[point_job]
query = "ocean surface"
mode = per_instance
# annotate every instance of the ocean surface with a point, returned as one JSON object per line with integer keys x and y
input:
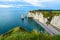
{"x": 11, "y": 17}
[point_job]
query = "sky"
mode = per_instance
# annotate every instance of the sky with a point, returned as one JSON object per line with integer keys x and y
{"x": 42, "y": 4}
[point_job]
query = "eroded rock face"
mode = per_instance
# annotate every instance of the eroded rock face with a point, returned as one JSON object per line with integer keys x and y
{"x": 42, "y": 19}
{"x": 30, "y": 14}
{"x": 37, "y": 16}
{"x": 56, "y": 21}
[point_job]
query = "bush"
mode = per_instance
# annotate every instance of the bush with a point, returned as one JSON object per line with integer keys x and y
{"x": 15, "y": 34}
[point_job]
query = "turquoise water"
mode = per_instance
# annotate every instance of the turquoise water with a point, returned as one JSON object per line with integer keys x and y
{"x": 10, "y": 18}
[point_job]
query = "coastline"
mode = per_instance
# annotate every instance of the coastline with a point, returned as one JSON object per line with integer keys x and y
{"x": 45, "y": 19}
{"x": 48, "y": 28}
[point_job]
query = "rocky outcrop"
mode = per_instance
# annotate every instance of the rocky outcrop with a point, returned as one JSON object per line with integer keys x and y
{"x": 30, "y": 14}
{"x": 56, "y": 21}
{"x": 37, "y": 16}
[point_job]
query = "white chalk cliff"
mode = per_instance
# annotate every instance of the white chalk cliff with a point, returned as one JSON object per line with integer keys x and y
{"x": 56, "y": 21}
{"x": 39, "y": 16}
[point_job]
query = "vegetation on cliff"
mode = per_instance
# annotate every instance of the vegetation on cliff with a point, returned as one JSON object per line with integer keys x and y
{"x": 49, "y": 14}
{"x": 19, "y": 33}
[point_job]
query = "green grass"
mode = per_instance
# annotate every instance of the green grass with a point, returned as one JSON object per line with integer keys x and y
{"x": 21, "y": 34}
{"x": 49, "y": 14}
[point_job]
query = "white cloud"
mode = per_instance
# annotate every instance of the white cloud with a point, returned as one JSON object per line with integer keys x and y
{"x": 5, "y": 6}
{"x": 11, "y": 0}
{"x": 40, "y": 3}
{"x": 50, "y": 1}
{"x": 37, "y": 2}
{"x": 46, "y": 0}
{"x": 10, "y": 6}
{"x": 33, "y": 2}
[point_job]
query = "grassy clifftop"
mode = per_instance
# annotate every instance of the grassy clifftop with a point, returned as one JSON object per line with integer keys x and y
{"x": 47, "y": 13}
{"x": 19, "y": 33}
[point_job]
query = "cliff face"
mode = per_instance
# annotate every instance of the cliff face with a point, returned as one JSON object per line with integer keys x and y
{"x": 37, "y": 16}
{"x": 56, "y": 21}
{"x": 30, "y": 14}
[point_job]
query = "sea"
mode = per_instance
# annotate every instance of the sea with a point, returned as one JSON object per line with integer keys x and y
{"x": 11, "y": 18}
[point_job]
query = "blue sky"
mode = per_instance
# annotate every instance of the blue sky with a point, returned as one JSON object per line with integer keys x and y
{"x": 42, "y": 4}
